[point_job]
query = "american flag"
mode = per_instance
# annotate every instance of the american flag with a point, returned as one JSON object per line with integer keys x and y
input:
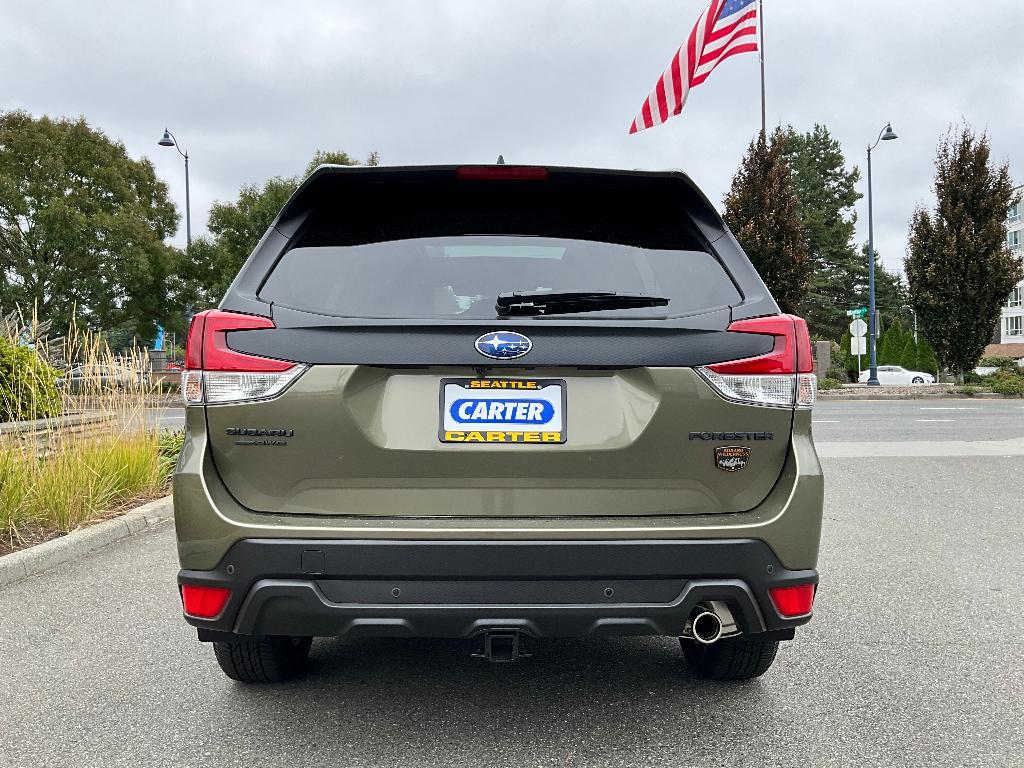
{"x": 726, "y": 27}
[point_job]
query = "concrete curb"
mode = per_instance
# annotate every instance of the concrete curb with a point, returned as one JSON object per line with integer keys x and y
{"x": 27, "y": 562}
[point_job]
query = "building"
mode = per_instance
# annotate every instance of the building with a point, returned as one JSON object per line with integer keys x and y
{"x": 1011, "y": 321}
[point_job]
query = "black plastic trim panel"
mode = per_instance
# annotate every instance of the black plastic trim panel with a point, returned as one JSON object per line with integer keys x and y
{"x": 571, "y": 346}
{"x": 457, "y": 589}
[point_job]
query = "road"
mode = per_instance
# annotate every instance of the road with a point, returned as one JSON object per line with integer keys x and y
{"x": 914, "y": 657}
{"x": 917, "y": 420}
{"x": 168, "y": 418}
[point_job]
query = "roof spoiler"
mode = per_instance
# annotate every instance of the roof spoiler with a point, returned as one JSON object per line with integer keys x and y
{"x": 326, "y": 179}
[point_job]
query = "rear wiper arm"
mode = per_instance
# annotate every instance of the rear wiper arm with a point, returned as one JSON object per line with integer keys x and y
{"x": 563, "y": 302}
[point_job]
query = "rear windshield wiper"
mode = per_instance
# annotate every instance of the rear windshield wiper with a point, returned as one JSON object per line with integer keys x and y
{"x": 563, "y": 302}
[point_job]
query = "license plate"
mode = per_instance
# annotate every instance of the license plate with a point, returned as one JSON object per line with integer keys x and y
{"x": 530, "y": 411}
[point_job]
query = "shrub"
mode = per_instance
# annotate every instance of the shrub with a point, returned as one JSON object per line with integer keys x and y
{"x": 840, "y": 356}
{"x": 28, "y": 388}
{"x": 169, "y": 446}
{"x": 829, "y": 383}
{"x": 999, "y": 362}
{"x": 840, "y": 374}
{"x": 1005, "y": 382}
{"x": 966, "y": 391}
{"x": 926, "y": 360}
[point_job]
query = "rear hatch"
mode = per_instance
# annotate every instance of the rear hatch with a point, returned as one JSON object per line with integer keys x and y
{"x": 497, "y": 341}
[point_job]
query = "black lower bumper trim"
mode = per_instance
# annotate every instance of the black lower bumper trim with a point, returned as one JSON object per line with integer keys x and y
{"x": 459, "y": 589}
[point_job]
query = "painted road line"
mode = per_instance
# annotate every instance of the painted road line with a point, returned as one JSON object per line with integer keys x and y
{"x": 833, "y": 450}
{"x": 932, "y": 421}
{"x": 825, "y": 421}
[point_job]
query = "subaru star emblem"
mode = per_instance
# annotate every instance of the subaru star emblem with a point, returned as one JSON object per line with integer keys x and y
{"x": 503, "y": 345}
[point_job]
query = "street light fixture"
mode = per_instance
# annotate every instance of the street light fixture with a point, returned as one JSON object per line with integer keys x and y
{"x": 168, "y": 140}
{"x": 886, "y": 134}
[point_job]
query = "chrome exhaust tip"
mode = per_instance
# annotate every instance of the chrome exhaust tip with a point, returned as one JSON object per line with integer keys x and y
{"x": 706, "y": 627}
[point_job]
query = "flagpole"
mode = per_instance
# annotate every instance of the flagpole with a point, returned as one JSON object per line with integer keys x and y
{"x": 760, "y": 51}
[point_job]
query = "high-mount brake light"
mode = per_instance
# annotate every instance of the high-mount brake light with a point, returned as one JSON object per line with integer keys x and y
{"x": 507, "y": 172}
{"x": 216, "y": 373}
{"x": 782, "y": 377}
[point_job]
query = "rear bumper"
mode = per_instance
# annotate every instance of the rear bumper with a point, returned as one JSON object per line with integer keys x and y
{"x": 329, "y": 588}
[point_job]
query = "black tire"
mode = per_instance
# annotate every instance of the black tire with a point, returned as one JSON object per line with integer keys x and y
{"x": 268, "y": 660}
{"x": 740, "y": 659}
{"x": 917, "y": 380}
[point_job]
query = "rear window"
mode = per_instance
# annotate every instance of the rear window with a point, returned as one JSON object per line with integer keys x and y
{"x": 460, "y": 276}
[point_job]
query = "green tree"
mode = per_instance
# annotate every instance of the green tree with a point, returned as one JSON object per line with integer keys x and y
{"x": 958, "y": 264}
{"x": 908, "y": 358}
{"x": 235, "y": 229}
{"x": 82, "y": 227}
{"x": 826, "y": 194}
{"x": 926, "y": 359}
{"x": 761, "y": 210}
{"x": 890, "y": 345}
{"x": 890, "y": 290}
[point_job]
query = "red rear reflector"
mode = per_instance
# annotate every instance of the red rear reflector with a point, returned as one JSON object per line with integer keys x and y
{"x": 791, "y": 353}
{"x": 512, "y": 172}
{"x": 793, "y": 601}
{"x": 207, "y": 347}
{"x": 204, "y": 602}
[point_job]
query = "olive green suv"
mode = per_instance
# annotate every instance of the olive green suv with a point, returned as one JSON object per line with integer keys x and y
{"x": 502, "y": 403}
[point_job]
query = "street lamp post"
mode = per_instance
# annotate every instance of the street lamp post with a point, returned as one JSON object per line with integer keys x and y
{"x": 886, "y": 134}
{"x": 914, "y": 313}
{"x": 168, "y": 140}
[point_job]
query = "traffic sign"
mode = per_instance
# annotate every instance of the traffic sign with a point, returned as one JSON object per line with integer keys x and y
{"x": 858, "y": 345}
{"x": 858, "y": 328}
{"x": 858, "y": 312}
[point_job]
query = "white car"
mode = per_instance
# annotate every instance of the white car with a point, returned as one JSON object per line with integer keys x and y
{"x": 894, "y": 374}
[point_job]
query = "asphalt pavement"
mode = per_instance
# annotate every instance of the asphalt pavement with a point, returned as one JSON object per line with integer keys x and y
{"x": 914, "y": 656}
{"x": 926, "y": 419}
{"x": 167, "y": 418}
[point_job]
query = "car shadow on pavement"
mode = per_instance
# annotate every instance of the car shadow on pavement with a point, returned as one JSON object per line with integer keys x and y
{"x": 622, "y": 692}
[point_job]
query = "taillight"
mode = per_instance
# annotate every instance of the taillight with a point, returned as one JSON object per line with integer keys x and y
{"x": 204, "y": 602}
{"x": 794, "y": 601}
{"x": 781, "y": 377}
{"x": 215, "y": 373}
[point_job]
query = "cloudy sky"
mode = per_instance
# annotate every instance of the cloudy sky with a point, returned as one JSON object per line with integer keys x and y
{"x": 252, "y": 89}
